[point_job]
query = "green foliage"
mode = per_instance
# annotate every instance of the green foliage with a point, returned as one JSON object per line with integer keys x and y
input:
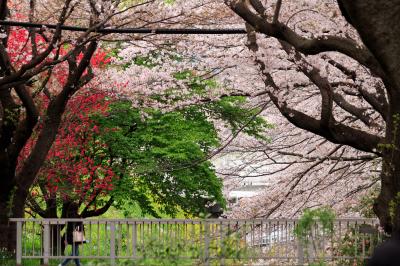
{"x": 391, "y": 147}
{"x": 386, "y": 147}
{"x": 307, "y": 232}
{"x": 322, "y": 216}
{"x": 162, "y": 159}
{"x": 233, "y": 110}
{"x": 170, "y": 2}
{"x": 175, "y": 253}
{"x": 393, "y": 206}
{"x": 198, "y": 85}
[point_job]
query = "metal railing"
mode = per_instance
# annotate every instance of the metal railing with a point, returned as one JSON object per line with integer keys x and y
{"x": 254, "y": 241}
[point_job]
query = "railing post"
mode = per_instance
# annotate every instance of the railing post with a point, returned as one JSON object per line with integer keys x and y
{"x": 19, "y": 244}
{"x": 134, "y": 237}
{"x": 300, "y": 253}
{"x": 222, "y": 236}
{"x": 112, "y": 243}
{"x": 46, "y": 242}
{"x": 206, "y": 243}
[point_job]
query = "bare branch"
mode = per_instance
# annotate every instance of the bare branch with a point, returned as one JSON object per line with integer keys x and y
{"x": 277, "y": 10}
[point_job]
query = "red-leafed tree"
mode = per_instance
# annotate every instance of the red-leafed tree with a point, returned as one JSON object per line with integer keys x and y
{"x": 77, "y": 174}
{"x": 77, "y": 168}
{"x": 40, "y": 70}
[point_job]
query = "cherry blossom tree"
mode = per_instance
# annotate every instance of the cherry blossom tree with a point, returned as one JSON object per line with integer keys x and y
{"x": 296, "y": 170}
{"x": 226, "y": 60}
{"x": 349, "y": 66}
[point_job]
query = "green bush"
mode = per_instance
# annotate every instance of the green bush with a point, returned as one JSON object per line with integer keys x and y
{"x": 313, "y": 226}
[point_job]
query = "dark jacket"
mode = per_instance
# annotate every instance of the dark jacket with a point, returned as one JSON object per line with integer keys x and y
{"x": 388, "y": 253}
{"x": 71, "y": 226}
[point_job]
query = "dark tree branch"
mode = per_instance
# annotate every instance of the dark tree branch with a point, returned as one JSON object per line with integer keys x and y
{"x": 322, "y": 84}
{"x": 3, "y": 9}
{"x": 91, "y": 202}
{"x": 305, "y": 45}
{"x": 277, "y": 10}
{"x": 43, "y": 86}
{"x": 25, "y": 127}
{"x": 32, "y": 32}
{"x": 377, "y": 25}
{"x": 348, "y": 72}
{"x": 32, "y": 204}
{"x": 336, "y": 133}
{"x": 97, "y": 212}
{"x": 36, "y": 61}
{"x": 1, "y": 116}
{"x": 258, "y": 6}
{"x": 338, "y": 158}
{"x": 52, "y": 120}
{"x": 10, "y": 114}
{"x": 378, "y": 102}
{"x": 359, "y": 113}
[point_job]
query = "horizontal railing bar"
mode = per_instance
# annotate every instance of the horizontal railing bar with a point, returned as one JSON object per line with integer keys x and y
{"x": 66, "y": 257}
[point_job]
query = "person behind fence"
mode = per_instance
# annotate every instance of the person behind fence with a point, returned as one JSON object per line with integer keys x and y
{"x": 74, "y": 237}
{"x": 388, "y": 253}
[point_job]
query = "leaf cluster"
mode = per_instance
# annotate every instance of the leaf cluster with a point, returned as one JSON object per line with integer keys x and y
{"x": 161, "y": 159}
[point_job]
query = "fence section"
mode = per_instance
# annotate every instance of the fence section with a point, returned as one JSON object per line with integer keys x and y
{"x": 254, "y": 241}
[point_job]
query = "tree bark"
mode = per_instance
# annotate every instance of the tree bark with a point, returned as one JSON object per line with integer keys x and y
{"x": 11, "y": 205}
{"x": 377, "y": 24}
{"x": 387, "y": 205}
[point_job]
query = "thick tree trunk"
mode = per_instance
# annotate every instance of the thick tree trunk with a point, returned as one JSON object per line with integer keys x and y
{"x": 11, "y": 205}
{"x": 7, "y": 230}
{"x": 383, "y": 206}
{"x": 387, "y": 205}
{"x": 377, "y": 24}
{"x": 7, "y": 195}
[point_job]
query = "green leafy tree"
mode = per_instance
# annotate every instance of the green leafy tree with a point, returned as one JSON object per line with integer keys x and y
{"x": 161, "y": 159}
